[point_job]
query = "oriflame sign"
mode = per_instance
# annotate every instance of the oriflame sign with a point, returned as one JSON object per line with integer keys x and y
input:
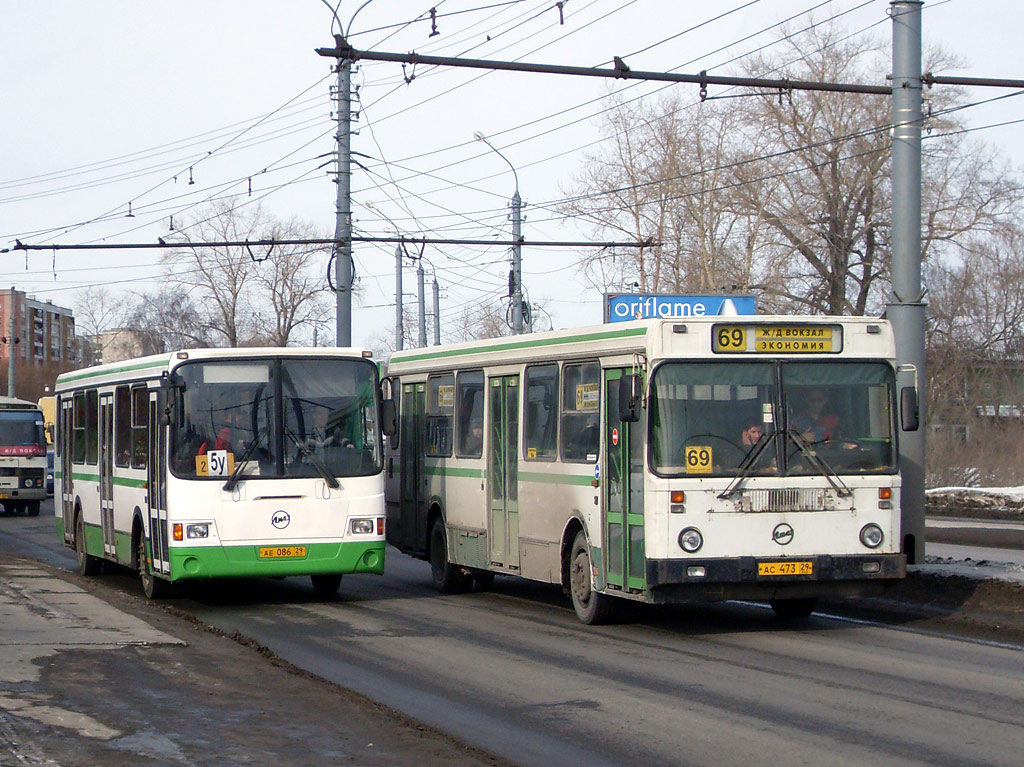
{"x": 622, "y": 307}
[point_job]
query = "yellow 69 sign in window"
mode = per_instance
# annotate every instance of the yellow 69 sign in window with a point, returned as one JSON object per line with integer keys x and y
{"x": 699, "y": 459}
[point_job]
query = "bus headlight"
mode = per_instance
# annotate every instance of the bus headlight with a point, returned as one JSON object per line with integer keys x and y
{"x": 361, "y": 526}
{"x": 201, "y": 530}
{"x": 690, "y": 540}
{"x": 871, "y": 535}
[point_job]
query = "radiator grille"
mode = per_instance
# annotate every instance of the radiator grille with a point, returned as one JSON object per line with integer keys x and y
{"x": 789, "y": 499}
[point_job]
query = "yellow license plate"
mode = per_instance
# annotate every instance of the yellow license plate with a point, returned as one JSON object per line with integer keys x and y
{"x": 4, "y": 495}
{"x": 785, "y": 568}
{"x": 282, "y": 552}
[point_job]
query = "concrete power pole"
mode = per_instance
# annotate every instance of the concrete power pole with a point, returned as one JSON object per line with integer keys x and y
{"x": 517, "y": 263}
{"x": 399, "y": 332}
{"x": 423, "y": 304}
{"x": 906, "y": 308}
{"x": 343, "y": 208}
{"x": 437, "y": 313}
{"x": 11, "y": 346}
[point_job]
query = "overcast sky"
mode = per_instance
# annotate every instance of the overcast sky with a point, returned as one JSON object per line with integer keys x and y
{"x": 110, "y": 103}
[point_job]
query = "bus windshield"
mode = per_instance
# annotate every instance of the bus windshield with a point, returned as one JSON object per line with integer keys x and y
{"x": 772, "y": 418}
{"x": 275, "y": 418}
{"x": 21, "y": 433}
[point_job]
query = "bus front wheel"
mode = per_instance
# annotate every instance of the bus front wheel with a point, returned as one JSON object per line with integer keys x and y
{"x": 152, "y": 587}
{"x": 32, "y": 508}
{"x": 448, "y": 578}
{"x": 592, "y": 607}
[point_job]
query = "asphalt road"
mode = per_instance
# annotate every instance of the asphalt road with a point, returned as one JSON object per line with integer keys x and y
{"x": 514, "y": 673}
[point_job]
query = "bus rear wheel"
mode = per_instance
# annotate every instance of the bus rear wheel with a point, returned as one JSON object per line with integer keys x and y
{"x": 326, "y": 586}
{"x": 87, "y": 564}
{"x": 32, "y": 508}
{"x": 152, "y": 587}
{"x": 793, "y": 609}
{"x": 592, "y": 607}
{"x": 448, "y": 578}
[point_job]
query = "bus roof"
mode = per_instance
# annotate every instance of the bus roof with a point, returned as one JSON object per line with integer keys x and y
{"x": 154, "y": 366}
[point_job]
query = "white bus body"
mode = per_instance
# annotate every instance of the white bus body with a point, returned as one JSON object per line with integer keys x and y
{"x": 22, "y": 456}
{"x": 219, "y": 463}
{"x": 513, "y": 457}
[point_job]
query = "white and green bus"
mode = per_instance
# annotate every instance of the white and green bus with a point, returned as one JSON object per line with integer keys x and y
{"x": 22, "y": 456}
{"x": 214, "y": 463}
{"x": 656, "y": 460}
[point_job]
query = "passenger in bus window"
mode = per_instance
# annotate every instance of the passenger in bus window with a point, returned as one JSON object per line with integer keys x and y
{"x": 752, "y": 431}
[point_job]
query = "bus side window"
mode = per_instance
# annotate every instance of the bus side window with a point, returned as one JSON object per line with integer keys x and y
{"x": 440, "y": 414}
{"x": 540, "y": 432}
{"x": 140, "y": 432}
{"x": 581, "y": 415}
{"x": 122, "y": 425}
{"x": 470, "y": 414}
{"x": 78, "y": 445}
{"x": 92, "y": 426}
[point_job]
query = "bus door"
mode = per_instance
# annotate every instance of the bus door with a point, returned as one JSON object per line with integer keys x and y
{"x": 106, "y": 461}
{"x": 623, "y": 492}
{"x": 503, "y": 471}
{"x": 412, "y": 513}
{"x": 67, "y": 483}
{"x": 156, "y": 488}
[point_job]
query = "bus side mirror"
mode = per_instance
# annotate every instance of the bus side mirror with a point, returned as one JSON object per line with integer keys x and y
{"x": 629, "y": 399}
{"x": 388, "y": 417}
{"x": 909, "y": 416}
{"x": 163, "y": 407}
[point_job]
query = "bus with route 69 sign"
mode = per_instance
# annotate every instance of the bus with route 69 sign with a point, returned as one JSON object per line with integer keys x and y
{"x": 660, "y": 460}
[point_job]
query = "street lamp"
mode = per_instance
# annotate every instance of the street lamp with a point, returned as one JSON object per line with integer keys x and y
{"x": 517, "y": 238}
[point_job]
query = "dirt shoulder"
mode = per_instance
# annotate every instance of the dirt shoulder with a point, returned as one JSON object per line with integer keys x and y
{"x": 201, "y": 698}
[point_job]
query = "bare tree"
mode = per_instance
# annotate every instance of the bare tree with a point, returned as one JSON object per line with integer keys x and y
{"x": 242, "y": 295}
{"x": 98, "y": 309}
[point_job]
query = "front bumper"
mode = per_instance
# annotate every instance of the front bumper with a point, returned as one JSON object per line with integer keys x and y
{"x": 738, "y": 578}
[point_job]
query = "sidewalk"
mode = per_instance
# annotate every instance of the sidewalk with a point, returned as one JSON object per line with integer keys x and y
{"x": 91, "y": 675}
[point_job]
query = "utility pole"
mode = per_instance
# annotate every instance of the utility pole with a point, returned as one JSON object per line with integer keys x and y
{"x": 11, "y": 345}
{"x": 517, "y": 263}
{"x": 437, "y": 313}
{"x": 343, "y": 207}
{"x": 906, "y": 308}
{"x": 423, "y": 304}
{"x": 399, "y": 332}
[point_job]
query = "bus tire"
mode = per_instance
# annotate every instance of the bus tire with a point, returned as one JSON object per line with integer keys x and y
{"x": 152, "y": 586}
{"x": 32, "y": 507}
{"x": 793, "y": 609}
{"x": 592, "y": 607}
{"x": 326, "y": 586}
{"x": 87, "y": 564}
{"x": 448, "y": 578}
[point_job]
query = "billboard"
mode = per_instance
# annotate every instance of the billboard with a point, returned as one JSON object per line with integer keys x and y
{"x": 622, "y": 307}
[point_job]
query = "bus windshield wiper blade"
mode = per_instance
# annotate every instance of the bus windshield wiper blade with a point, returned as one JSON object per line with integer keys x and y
{"x": 819, "y": 463}
{"x": 330, "y": 479}
{"x": 746, "y": 465}
{"x": 243, "y": 459}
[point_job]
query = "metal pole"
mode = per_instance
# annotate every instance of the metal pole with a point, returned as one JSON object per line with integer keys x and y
{"x": 399, "y": 331}
{"x": 423, "y": 305}
{"x": 906, "y": 308}
{"x": 11, "y": 346}
{"x": 437, "y": 313}
{"x": 343, "y": 209}
{"x": 517, "y": 264}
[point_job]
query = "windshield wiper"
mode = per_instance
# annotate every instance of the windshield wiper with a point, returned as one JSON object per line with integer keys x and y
{"x": 746, "y": 465}
{"x": 330, "y": 479}
{"x": 819, "y": 463}
{"x": 246, "y": 455}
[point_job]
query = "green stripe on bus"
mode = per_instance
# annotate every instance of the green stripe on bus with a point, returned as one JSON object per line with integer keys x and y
{"x": 122, "y": 481}
{"x": 68, "y": 377}
{"x": 451, "y": 471}
{"x": 556, "y": 479}
{"x": 509, "y": 345}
